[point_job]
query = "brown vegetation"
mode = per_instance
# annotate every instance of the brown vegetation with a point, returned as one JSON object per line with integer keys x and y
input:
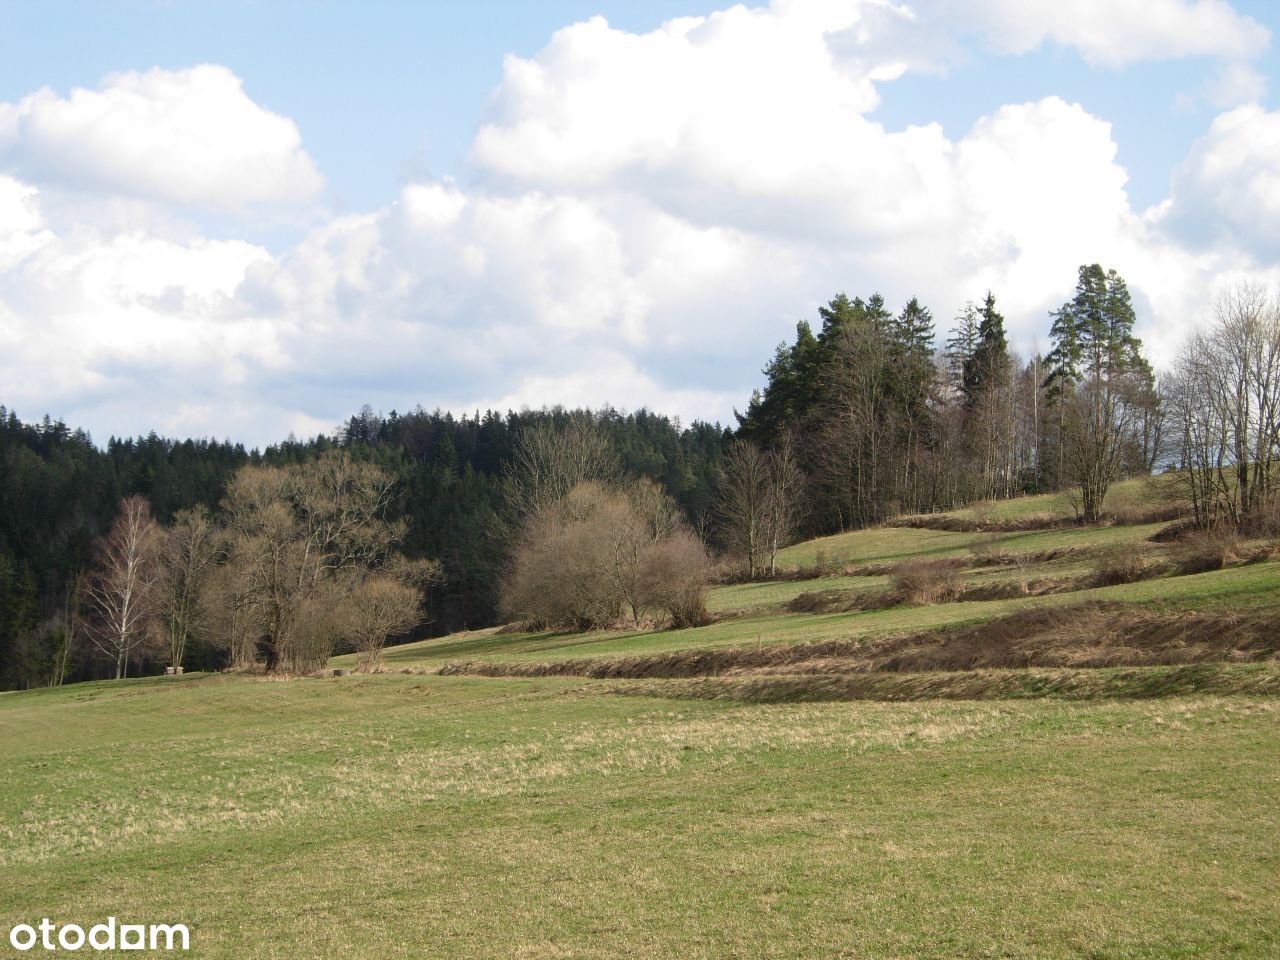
{"x": 599, "y": 553}
{"x": 1064, "y": 683}
{"x": 954, "y": 523}
{"x": 301, "y": 540}
{"x": 1224, "y": 406}
{"x": 758, "y": 507}
{"x": 1086, "y": 635}
{"x": 1200, "y": 551}
{"x": 924, "y": 583}
{"x": 1123, "y": 563}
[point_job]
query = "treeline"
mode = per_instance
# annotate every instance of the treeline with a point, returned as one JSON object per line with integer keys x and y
{"x": 60, "y": 494}
{"x": 883, "y": 419}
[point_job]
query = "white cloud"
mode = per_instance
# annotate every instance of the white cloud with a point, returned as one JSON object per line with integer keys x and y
{"x": 1111, "y": 32}
{"x": 1234, "y": 83}
{"x": 1227, "y": 191}
{"x": 89, "y": 319}
{"x": 648, "y": 216}
{"x": 187, "y": 137}
{"x": 22, "y": 227}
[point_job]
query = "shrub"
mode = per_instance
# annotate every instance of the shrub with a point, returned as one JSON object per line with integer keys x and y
{"x": 987, "y": 549}
{"x": 926, "y": 583}
{"x": 562, "y": 574}
{"x": 673, "y": 577}
{"x": 1119, "y": 564}
{"x": 1205, "y": 550}
{"x": 597, "y": 553}
{"x": 379, "y": 608}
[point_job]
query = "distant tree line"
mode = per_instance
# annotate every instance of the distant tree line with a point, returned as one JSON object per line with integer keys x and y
{"x": 60, "y": 495}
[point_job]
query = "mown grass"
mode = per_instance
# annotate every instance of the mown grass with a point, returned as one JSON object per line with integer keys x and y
{"x": 402, "y": 816}
{"x": 771, "y": 593}
{"x": 1041, "y": 813}
{"x": 1113, "y": 683}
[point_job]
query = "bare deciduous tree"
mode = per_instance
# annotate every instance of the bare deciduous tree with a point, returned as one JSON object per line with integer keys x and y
{"x": 379, "y": 608}
{"x": 120, "y": 592}
{"x": 584, "y": 561}
{"x": 186, "y": 554}
{"x": 1224, "y": 406}
{"x": 298, "y": 535}
{"x": 786, "y": 490}
{"x": 549, "y": 461}
{"x": 229, "y": 611}
{"x": 759, "y": 501}
{"x": 742, "y": 507}
{"x": 673, "y": 576}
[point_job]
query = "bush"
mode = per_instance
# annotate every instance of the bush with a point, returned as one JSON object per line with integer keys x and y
{"x": 673, "y": 578}
{"x": 988, "y": 550}
{"x": 1205, "y": 550}
{"x": 597, "y": 553}
{"x": 926, "y": 583}
{"x": 562, "y": 571}
{"x": 1119, "y": 564}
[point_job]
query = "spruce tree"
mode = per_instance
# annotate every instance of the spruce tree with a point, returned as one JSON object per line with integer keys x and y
{"x": 961, "y": 346}
{"x": 989, "y": 365}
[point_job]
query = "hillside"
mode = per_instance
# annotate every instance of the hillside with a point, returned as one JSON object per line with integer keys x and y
{"x": 842, "y": 590}
{"x": 1036, "y": 767}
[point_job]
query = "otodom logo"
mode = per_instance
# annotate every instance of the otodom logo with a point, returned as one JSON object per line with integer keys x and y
{"x": 111, "y": 935}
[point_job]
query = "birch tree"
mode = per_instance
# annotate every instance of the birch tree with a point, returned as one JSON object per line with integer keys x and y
{"x": 120, "y": 593}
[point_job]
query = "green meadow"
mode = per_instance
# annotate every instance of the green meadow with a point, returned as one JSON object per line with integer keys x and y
{"x": 1126, "y": 812}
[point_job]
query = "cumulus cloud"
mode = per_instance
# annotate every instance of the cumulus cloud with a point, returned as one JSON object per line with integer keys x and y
{"x": 190, "y": 137}
{"x": 644, "y": 218}
{"x": 91, "y": 319}
{"x": 1228, "y": 188}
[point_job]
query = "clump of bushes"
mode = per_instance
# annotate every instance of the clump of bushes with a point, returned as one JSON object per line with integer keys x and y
{"x": 1119, "y": 564}
{"x": 1204, "y": 550}
{"x": 673, "y": 577}
{"x": 987, "y": 550}
{"x": 926, "y": 583}
{"x": 602, "y": 554}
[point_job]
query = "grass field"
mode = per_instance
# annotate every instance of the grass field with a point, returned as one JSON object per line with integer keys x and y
{"x": 408, "y": 816}
{"x": 1119, "y": 812}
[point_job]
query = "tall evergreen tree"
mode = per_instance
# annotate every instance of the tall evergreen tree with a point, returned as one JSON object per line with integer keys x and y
{"x": 1096, "y": 381}
{"x": 790, "y": 390}
{"x": 961, "y": 346}
{"x": 989, "y": 364}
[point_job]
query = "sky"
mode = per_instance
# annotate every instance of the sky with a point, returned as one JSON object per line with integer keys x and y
{"x": 247, "y": 220}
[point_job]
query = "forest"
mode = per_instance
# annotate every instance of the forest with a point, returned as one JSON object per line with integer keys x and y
{"x": 200, "y": 554}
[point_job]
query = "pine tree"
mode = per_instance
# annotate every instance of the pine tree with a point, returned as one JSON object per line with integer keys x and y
{"x": 1096, "y": 377}
{"x": 790, "y": 391}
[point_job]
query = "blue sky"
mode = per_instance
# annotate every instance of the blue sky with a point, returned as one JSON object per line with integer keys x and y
{"x": 385, "y": 91}
{"x": 439, "y": 203}
{"x": 382, "y": 91}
